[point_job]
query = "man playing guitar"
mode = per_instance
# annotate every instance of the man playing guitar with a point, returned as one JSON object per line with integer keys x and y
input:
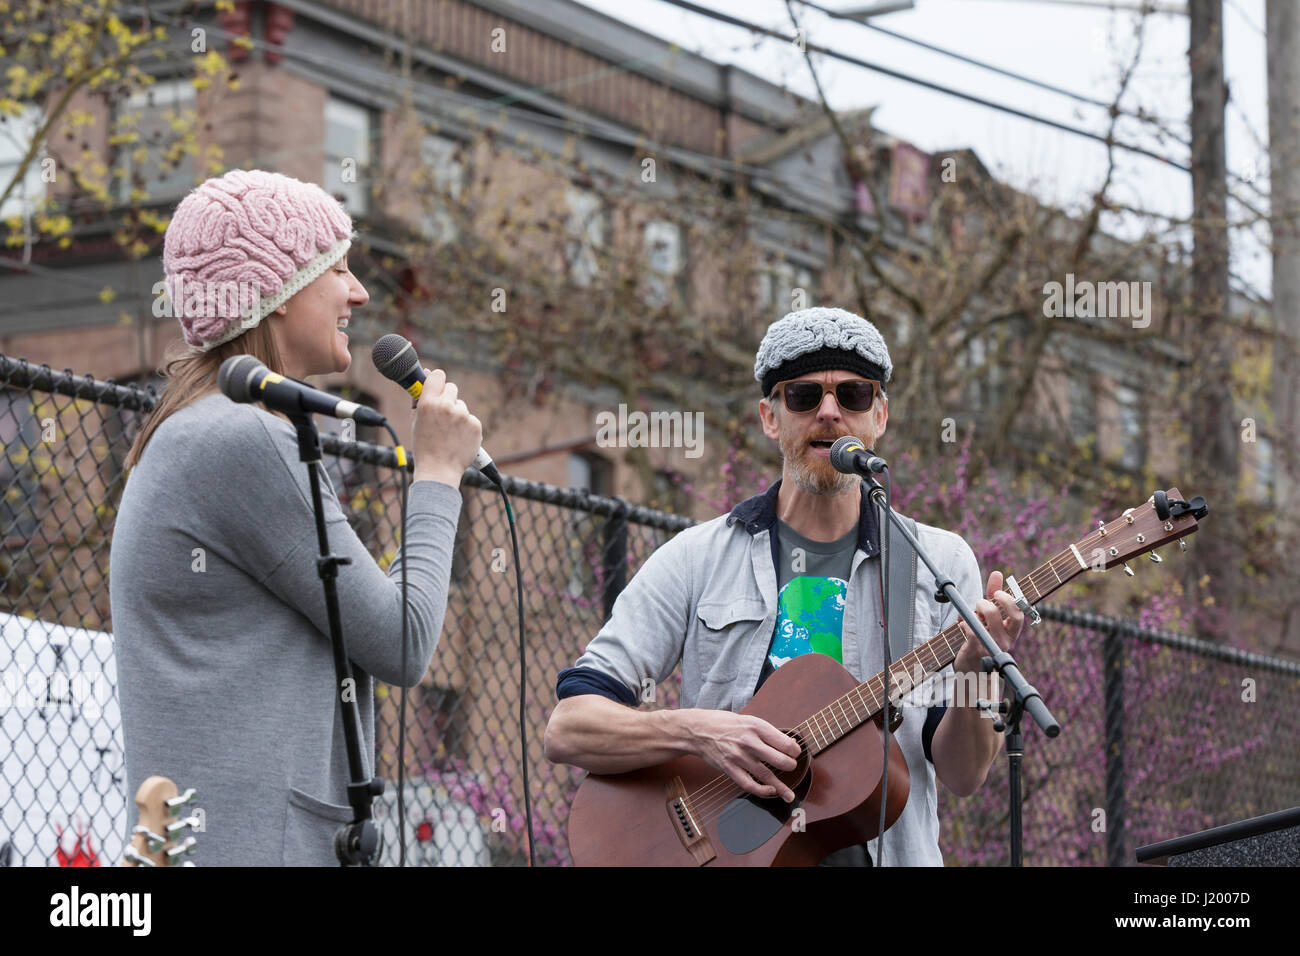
{"x": 794, "y": 570}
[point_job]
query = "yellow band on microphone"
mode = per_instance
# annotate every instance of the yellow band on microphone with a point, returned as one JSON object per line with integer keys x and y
{"x": 401, "y": 456}
{"x": 416, "y": 388}
{"x": 270, "y": 378}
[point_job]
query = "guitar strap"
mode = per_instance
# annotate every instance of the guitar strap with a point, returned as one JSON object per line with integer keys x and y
{"x": 902, "y": 589}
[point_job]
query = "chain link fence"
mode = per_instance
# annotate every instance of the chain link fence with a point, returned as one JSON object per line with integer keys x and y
{"x": 1162, "y": 735}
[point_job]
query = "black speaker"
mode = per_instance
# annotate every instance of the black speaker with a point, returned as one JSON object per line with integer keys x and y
{"x": 1270, "y": 840}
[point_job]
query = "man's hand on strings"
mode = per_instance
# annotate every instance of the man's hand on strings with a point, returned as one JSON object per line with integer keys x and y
{"x": 998, "y": 613}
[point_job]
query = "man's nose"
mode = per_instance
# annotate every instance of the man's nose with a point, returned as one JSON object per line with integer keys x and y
{"x": 830, "y": 407}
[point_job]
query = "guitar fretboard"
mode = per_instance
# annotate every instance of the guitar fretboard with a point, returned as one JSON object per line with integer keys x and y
{"x": 868, "y": 699}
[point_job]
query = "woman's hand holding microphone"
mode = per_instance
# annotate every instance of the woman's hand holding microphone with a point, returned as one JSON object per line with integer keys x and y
{"x": 445, "y": 437}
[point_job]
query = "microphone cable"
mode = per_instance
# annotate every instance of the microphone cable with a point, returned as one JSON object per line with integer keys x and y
{"x": 523, "y": 668}
{"x": 523, "y": 671}
{"x": 400, "y": 452}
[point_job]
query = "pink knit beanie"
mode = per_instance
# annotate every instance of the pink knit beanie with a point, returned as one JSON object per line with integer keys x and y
{"x": 241, "y": 245}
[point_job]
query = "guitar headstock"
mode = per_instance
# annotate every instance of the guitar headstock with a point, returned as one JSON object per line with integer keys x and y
{"x": 157, "y": 839}
{"x": 1165, "y": 517}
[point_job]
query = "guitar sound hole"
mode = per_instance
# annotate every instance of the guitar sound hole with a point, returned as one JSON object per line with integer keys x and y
{"x": 748, "y": 822}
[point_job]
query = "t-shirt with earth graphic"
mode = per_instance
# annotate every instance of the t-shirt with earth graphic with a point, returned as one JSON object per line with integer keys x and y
{"x": 811, "y": 584}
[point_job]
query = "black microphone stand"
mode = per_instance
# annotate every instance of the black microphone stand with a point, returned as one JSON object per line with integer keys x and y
{"x": 1025, "y": 697}
{"x": 356, "y": 843}
{"x": 883, "y": 500}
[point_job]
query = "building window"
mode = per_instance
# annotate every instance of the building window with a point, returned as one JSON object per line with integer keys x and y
{"x": 16, "y": 135}
{"x": 122, "y": 425}
{"x": 441, "y": 722}
{"x": 668, "y": 494}
{"x": 1264, "y": 470}
{"x": 983, "y": 379}
{"x": 21, "y": 434}
{"x": 663, "y": 259}
{"x": 591, "y": 472}
{"x": 347, "y": 154}
{"x": 586, "y": 538}
{"x": 155, "y": 162}
{"x": 1131, "y": 429}
{"x": 1083, "y": 406}
{"x": 585, "y": 235}
{"x": 777, "y": 285}
{"x": 445, "y": 176}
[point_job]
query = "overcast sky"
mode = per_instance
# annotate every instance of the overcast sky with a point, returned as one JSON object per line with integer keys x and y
{"x": 1077, "y": 48}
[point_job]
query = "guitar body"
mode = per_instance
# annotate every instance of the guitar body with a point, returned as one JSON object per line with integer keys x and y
{"x": 630, "y": 819}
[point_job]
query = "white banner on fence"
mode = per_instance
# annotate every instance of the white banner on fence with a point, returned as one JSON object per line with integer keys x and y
{"x": 62, "y": 777}
{"x": 63, "y": 780}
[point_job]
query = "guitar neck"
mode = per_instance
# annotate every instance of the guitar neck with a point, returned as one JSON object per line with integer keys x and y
{"x": 868, "y": 699}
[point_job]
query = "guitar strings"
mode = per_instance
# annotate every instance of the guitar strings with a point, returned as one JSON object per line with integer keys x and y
{"x": 714, "y": 796}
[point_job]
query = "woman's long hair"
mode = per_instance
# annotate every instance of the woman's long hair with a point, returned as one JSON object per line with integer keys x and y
{"x": 191, "y": 373}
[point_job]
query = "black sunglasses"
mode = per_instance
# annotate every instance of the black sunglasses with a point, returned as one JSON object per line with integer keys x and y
{"x": 855, "y": 396}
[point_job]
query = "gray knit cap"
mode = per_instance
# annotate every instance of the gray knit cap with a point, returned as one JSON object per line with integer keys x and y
{"x": 820, "y": 339}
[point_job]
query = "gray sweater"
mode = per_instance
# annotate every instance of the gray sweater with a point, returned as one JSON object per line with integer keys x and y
{"x": 224, "y": 664}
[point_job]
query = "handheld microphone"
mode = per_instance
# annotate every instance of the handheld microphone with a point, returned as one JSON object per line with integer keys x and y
{"x": 244, "y": 379}
{"x": 850, "y": 456}
{"x": 394, "y": 356}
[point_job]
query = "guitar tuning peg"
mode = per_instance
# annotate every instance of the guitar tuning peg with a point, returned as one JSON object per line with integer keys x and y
{"x": 1154, "y": 557}
{"x": 1127, "y": 570}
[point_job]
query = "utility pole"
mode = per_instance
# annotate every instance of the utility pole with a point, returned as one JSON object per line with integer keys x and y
{"x": 1283, "y": 37}
{"x": 1212, "y": 426}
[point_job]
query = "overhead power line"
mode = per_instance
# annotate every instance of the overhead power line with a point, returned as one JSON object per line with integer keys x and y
{"x": 1159, "y": 124}
{"x": 927, "y": 84}
{"x": 991, "y": 67}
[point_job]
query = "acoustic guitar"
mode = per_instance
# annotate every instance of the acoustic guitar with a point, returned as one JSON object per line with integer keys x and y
{"x": 157, "y": 839}
{"x": 685, "y": 813}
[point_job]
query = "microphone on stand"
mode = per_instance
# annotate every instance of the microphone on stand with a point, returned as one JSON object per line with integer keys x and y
{"x": 850, "y": 456}
{"x": 244, "y": 379}
{"x": 394, "y": 356}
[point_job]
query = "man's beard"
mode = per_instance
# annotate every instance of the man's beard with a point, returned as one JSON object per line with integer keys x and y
{"x": 812, "y": 473}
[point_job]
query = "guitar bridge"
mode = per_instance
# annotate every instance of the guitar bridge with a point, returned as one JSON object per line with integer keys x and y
{"x": 685, "y": 825}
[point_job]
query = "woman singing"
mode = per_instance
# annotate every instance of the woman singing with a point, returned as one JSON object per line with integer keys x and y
{"x": 224, "y": 663}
